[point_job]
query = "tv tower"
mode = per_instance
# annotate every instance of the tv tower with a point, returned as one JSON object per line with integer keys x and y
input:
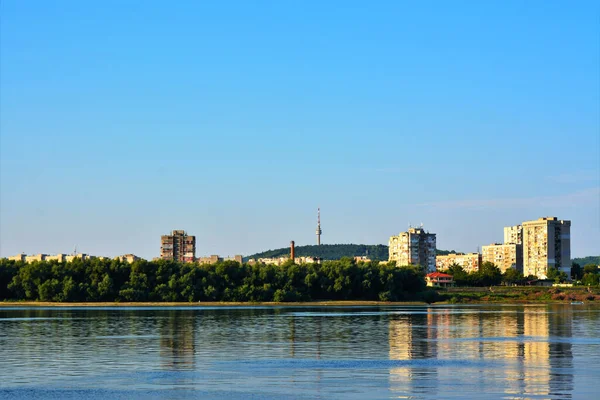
{"x": 319, "y": 231}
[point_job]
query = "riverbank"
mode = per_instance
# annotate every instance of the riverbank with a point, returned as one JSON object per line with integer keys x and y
{"x": 520, "y": 295}
{"x": 477, "y": 295}
{"x": 208, "y": 304}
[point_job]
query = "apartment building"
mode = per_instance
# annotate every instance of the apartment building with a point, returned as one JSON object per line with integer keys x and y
{"x": 215, "y": 259}
{"x": 178, "y": 246}
{"x": 35, "y": 257}
{"x": 128, "y": 257}
{"x": 18, "y": 257}
{"x": 470, "y": 262}
{"x": 57, "y": 257}
{"x": 504, "y": 256}
{"x": 513, "y": 234}
{"x": 414, "y": 247}
{"x": 546, "y": 244}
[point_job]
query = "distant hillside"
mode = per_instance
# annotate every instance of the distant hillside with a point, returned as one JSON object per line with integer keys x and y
{"x": 378, "y": 252}
{"x": 587, "y": 260}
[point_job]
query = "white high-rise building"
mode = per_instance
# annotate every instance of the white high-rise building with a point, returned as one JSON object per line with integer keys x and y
{"x": 415, "y": 247}
{"x": 546, "y": 244}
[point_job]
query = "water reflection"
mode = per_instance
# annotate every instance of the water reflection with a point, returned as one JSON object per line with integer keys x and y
{"x": 412, "y": 337}
{"x": 177, "y": 341}
{"x": 517, "y": 348}
{"x": 504, "y": 352}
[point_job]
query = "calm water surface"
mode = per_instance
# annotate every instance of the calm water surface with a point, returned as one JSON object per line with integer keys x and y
{"x": 510, "y": 352}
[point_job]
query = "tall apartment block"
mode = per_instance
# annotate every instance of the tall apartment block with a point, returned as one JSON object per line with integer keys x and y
{"x": 178, "y": 246}
{"x": 415, "y": 247}
{"x": 469, "y": 262}
{"x": 504, "y": 256}
{"x": 513, "y": 234}
{"x": 546, "y": 244}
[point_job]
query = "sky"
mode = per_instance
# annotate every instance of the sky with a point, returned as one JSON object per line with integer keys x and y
{"x": 234, "y": 120}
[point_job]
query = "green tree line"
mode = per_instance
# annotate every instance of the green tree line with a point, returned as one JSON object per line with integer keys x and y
{"x": 490, "y": 275}
{"x": 589, "y": 260}
{"x": 167, "y": 281}
{"x": 487, "y": 275}
{"x": 588, "y": 275}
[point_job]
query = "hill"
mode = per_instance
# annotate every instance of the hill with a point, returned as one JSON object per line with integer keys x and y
{"x": 582, "y": 261}
{"x": 377, "y": 252}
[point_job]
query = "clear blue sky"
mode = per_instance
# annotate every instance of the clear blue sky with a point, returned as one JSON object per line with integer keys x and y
{"x": 122, "y": 120}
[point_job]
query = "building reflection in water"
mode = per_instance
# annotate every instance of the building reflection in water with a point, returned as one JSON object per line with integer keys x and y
{"x": 413, "y": 341}
{"x": 177, "y": 341}
{"x": 561, "y": 353}
{"x": 527, "y": 349}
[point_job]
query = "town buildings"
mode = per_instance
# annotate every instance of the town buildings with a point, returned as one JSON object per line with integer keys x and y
{"x": 282, "y": 260}
{"x": 57, "y": 257}
{"x": 470, "y": 262}
{"x": 178, "y": 246}
{"x": 504, "y": 256}
{"x": 546, "y": 244}
{"x": 414, "y": 247}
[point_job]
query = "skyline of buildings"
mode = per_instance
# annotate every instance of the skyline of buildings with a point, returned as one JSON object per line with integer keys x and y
{"x": 531, "y": 248}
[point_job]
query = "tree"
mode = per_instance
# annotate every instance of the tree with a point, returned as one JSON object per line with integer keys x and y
{"x": 576, "y": 271}
{"x": 511, "y": 277}
{"x": 554, "y": 274}
{"x": 590, "y": 279}
{"x": 459, "y": 275}
{"x": 105, "y": 288}
{"x": 590, "y": 269}
{"x": 489, "y": 274}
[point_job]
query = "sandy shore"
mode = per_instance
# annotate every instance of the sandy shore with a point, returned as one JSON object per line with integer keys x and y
{"x": 203, "y": 304}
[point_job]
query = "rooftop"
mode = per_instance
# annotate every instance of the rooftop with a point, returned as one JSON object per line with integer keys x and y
{"x": 438, "y": 275}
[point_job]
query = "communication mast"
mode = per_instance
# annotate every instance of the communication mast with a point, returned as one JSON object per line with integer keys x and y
{"x": 319, "y": 231}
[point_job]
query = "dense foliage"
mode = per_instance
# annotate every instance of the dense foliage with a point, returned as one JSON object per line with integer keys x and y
{"x": 377, "y": 252}
{"x": 114, "y": 280}
{"x": 595, "y": 260}
{"x": 588, "y": 275}
{"x": 490, "y": 275}
{"x": 487, "y": 275}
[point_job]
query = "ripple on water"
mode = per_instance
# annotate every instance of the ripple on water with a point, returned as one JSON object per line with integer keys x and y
{"x": 310, "y": 352}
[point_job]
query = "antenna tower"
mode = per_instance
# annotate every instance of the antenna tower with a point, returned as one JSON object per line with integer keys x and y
{"x": 319, "y": 231}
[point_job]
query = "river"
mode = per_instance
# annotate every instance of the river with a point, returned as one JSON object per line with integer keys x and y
{"x": 492, "y": 352}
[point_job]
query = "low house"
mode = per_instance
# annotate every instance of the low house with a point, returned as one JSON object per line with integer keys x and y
{"x": 439, "y": 279}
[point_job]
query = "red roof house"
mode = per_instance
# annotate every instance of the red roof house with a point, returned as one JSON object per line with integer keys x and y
{"x": 439, "y": 279}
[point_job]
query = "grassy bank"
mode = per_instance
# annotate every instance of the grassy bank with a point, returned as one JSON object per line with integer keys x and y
{"x": 519, "y": 294}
